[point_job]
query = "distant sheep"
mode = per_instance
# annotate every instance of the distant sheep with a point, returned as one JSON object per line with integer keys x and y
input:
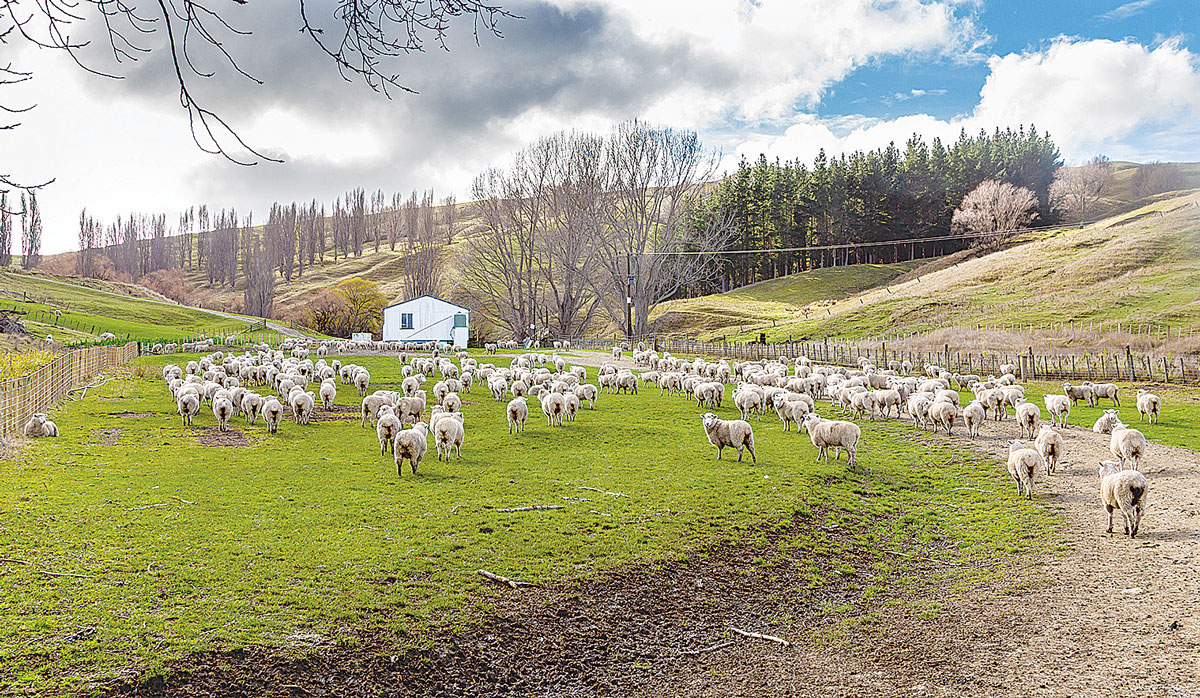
{"x": 1080, "y": 392}
{"x": 734, "y": 433}
{"x": 1125, "y": 490}
{"x": 1148, "y": 406}
{"x": 1107, "y": 390}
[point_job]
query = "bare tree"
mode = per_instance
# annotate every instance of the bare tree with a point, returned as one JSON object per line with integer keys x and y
{"x": 378, "y": 225}
{"x": 994, "y": 211}
{"x": 356, "y": 202}
{"x": 1156, "y": 178}
{"x": 653, "y": 246}
{"x": 31, "y": 231}
{"x": 1076, "y": 190}
{"x": 6, "y": 228}
{"x": 450, "y": 217}
{"x": 395, "y": 220}
{"x": 203, "y": 235}
{"x": 423, "y": 261}
{"x": 258, "y": 270}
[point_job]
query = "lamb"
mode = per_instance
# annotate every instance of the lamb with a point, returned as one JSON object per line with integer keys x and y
{"x": 328, "y": 393}
{"x": 188, "y": 406}
{"x": 827, "y": 432}
{"x": 410, "y": 444}
{"x": 1059, "y": 407}
{"x": 272, "y": 412}
{"x": 1106, "y": 422}
{"x": 943, "y": 413}
{"x": 734, "y": 433}
{"x": 553, "y": 406}
{"x": 1028, "y": 416}
{"x": 518, "y": 411}
{"x": 1023, "y": 464}
{"x": 1129, "y": 445}
{"x": 222, "y": 408}
{"x": 448, "y": 434}
{"x": 973, "y": 417}
{"x": 1049, "y": 445}
{"x": 1148, "y": 405}
{"x": 1124, "y": 490}
{"x": 386, "y": 428}
{"x": 1079, "y": 392}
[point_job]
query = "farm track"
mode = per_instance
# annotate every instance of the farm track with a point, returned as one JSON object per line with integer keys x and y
{"x": 1105, "y": 616}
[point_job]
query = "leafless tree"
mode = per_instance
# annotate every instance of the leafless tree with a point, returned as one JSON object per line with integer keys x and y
{"x": 395, "y": 220}
{"x": 450, "y": 217}
{"x": 1155, "y": 178}
{"x": 653, "y": 245}
{"x": 258, "y": 270}
{"x": 89, "y": 240}
{"x": 31, "y": 228}
{"x": 994, "y": 210}
{"x": 6, "y": 228}
{"x": 1076, "y": 190}
{"x": 356, "y": 202}
{"x": 378, "y": 225}
{"x": 423, "y": 261}
{"x": 187, "y": 220}
{"x": 158, "y": 243}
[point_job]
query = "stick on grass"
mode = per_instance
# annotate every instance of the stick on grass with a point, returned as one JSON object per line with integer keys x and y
{"x": 760, "y": 636}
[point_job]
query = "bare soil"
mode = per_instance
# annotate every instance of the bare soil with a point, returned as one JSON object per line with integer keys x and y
{"x": 213, "y": 436}
{"x": 107, "y": 437}
{"x": 136, "y": 415}
{"x": 338, "y": 413}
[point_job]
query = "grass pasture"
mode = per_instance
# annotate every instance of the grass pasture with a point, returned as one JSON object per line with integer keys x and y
{"x": 186, "y": 547}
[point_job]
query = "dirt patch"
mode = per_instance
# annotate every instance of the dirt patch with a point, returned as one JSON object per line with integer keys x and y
{"x": 119, "y": 399}
{"x": 137, "y": 415}
{"x": 107, "y": 437}
{"x": 339, "y": 413}
{"x": 213, "y": 436}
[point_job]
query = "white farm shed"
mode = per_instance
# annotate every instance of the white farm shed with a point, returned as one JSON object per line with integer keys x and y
{"x": 426, "y": 319}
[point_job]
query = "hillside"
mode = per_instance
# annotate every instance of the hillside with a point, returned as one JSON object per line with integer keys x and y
{"x": 1139, "y": 267}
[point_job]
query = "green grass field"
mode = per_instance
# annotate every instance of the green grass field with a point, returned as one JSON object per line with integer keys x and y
{"x": 1177, "y": 421}
{"x": 187, "y": 547}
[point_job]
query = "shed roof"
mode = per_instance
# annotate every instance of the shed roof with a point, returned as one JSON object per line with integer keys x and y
{"x": 410, "y": 300}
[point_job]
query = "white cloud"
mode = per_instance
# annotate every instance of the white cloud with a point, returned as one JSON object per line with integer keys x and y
{"x": 1127, "y": 10}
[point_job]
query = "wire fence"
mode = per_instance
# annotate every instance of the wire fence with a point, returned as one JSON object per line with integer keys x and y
{"x": 1094, "y": 366}
{"x": 21, "y": 398}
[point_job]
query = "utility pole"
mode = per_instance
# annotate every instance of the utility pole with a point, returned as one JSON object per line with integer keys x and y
{"x": 628, "y": 297}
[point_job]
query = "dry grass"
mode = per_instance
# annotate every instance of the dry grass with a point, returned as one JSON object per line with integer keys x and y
{"x": 1042, "y": 341}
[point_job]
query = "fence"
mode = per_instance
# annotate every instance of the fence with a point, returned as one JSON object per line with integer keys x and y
{"x": 21, "y": 397}
{"x": 1101, "y": 366}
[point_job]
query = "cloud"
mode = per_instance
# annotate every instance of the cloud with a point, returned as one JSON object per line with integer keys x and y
{"x": 1120, "y": 98}
{"x": 1127, "y": 10}
{"x": 915, "y": 93}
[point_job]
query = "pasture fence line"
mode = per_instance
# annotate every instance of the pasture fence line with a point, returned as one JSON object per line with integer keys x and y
{"x": 1093, "y": 366}
{"x": 39, "y": 390}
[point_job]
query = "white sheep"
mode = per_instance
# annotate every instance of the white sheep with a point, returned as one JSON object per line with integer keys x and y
{"x": 790, "y": 411}
{"x": 272, "y": 412}
{"x": 1080, "y": 392}
{"x": 1128, "y": 445}
{"x": 1125, "y": 490}
{"x": 1106, "y": 422}
{"x": 735, "y": 433}
{"x": 518, "y": 412}
{"x": 303, "y": 405}
{"x": 918, "y": 409}
{"x": 1059, "y": 408}
{"x": 1023, "y": 464}
{"x": 448, "y": 433}
{"x": 386, "y": 428}
{"x": 1050, "y": 446}
{"x": 825, "y": 433}
{"x": 251, "y": 406}
{"x": 553, "y": 407}
{"x": 943, "y": 413}
{"x": 452, "y": 402}
{"x": 188, "y": 406}
{"x": 222, "y": 409}
{"x": 1148, "y": 405}
{"x": 328, "y": 393}
{"x": 34, "y": 428}
{"x": 571, "y": 405}
{"x": 1028, "y": 416}
{"x": 1108, "y": 390}
{"x": 410, "y": 444}
{"x": 362, "y": 381}
{"x": 973, "y": 417}
{"x": 587, "y": 391}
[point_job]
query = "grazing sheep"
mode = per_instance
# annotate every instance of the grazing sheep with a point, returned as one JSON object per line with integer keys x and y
{"x": 735, "y": 433}
{"x": 410, "y": 444}
{"x": 1049, "y": 445}
{"x": 1023, "y": 464}
{"x": 840, "y": 435}
{"x": 553, "y": 406}
{"x": 518, "y": 411}
{"x": 1129, "y": 445}
{"x": 973, "y": 417}
{"x": 328, "y": 393}
{"x": 1124, "y": 490}
{"x": 943, "y": 413}
{"x": 272, "y": 412}
{"x": 1028, "y": 416}
{"x": 1106, "y": 422}
{"x": 1059, "y": 407}
{"x": 1079, "y": 392}
{"x": 188, "y": 405}
{"x": 448, "y": 434}
{"x": 1148, "y": 405}
{"x": 222, "y": 408}
{"x": 1108, "y": 390}
{"x": 386, "y": 428}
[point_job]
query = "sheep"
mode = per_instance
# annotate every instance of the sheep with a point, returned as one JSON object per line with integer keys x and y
{"x": 1106, "y": 422}
{"x": 735, "y": 433}
{"x": 918, "y": 409}
{"x": 498, "y": 387}
{"x": 1124, "y": 490}
{"x": 1049, "y": 445}
{"x": 1023, "y": 464}
{"x": 447, "y": 434}
{"x": 943, "y": 413}
{"x": 827, "y": 432}
{"x": 1079, "y": 392}
{"x": 188, "y": 406}
{"x": 748, "y": 400}
{"x": 1028, "y": 416}
{"x": 571, "y": 405}
{"x": 885, "y": 399}
{"x": 328, "y": 393}
{"x": 1127, "y": 445}
{"x": 411, "y": 407}
{"x": 973, "y": 417}
{"x": 553, "y": 407}
{"x": 790, "y": 411}
{"x": 517, "y": 411}
{"x": 251, "y": 406}
{"x": 386, "y": 428}
{"x": 370, "y": 408}
{"x": 35, "y": 426}
{"x": 1059, "y": 407}
{"x": 222, "y": 409}
{"x": 587, "y": 391}
{"x": 452, "y": 402}
{"x": 303, "y": 405}
{"x": 272, "y": 412}
{"x": 626, "y": 382}
{"x": 1148, "y": 405}
{"x": 1108, "y": 390}
{"x": 410, "y": 444}
{"x": 362, "y": 381}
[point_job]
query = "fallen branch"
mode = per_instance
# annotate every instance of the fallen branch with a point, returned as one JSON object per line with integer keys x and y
{"x": 615, "y": 494}
{"x": 536, "y": 507}
{"x": 64, "y": 574}
{"x": 714, "y": 648}
{"x": 182, "y": 499}
{"x": 9, "y": 559}
{"x": 505, "y": 580}
{"x": 972, "y": 489}
{"x": 150, "y": 506}
{"x": 577, "y": 499}
{"x": 945, "y": 504}
{"x": 599, "y": 513}
{"x": 85, "y": 389}
{"x": 760, "y": 636}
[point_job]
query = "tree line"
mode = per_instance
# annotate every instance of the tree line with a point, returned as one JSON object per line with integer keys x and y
{"x": 30, "y": 216}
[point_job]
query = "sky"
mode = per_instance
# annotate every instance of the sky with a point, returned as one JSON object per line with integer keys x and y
{"x": 785, "y": 78}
